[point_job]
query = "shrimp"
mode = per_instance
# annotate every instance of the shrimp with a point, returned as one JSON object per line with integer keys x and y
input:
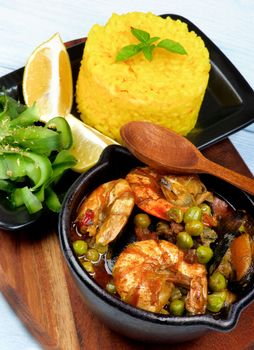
{"x": 146, "y": 271}
{"x": 148, "y": 195}
{"x": 196, "y": 299}
{"x": 157, "y": 194}
{"x": 106, "y": 210}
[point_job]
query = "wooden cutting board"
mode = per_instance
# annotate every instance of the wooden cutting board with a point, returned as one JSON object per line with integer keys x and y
{"x": 36, "y": 282}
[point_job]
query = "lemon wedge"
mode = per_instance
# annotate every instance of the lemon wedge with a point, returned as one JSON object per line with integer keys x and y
{"x": 88, "y": 144}
{"x": 47, "y": 79}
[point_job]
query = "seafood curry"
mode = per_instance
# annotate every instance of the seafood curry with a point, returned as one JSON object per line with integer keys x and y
{"x": 192, "y": 253}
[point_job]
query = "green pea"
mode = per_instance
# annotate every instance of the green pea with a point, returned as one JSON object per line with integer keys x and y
{"x": 177, "y": 307}
{"x": 80, "y": 247}
{"x": 204, "y": 254}
{"x": 88, "y": 266}
{"x": 142, "y": 220}
{"x": 192, "y": 213}
{"x": 216, "y": 301}
{"x": 110, "y": 287}
{"x": 102, "y": 249}
{"x": 194, "y": 227}
{"x": 205, "y": 208}
{"x": 92, "y": 254}
{"x": 184, "y": 240}
{"x": 217, "y": 282}
{"x": 175, "y": 214}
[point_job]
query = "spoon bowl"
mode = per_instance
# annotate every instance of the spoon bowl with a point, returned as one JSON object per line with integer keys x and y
{"x": 167, "y": 151}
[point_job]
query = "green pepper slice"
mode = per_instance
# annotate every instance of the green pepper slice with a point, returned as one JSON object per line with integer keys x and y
{"x": 6, "y": 186}
{"x": 3, "y": 105}
{"x": 63, "y": 161}
{"x": 26, "y": 118}
{"x": 37, "y": 139}
{"x": 25, "y": 196}
{"x": 33, "y": 156}
{"x": 44, "y": 165}
{"x": 63, "y": 128}
{"x": 15, "y": 165}
{"x": 9, "y": 106}
{"x": 52, "y": 200}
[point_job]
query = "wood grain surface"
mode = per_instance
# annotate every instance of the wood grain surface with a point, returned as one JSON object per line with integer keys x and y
{"x": 36, "y": 282}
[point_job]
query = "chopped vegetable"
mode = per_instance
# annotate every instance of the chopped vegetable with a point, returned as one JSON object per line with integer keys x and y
{"x": 184, "y": 240}
{"x": 177, "y": 307}
{"x": 80, "y": 247}
{"x": 194, "y": 227}
{"x": 37, "y": 139}
{"x": 215, "y": 301}
{"x": 204, "y": 254}
{"x": 33, "y": 156}
{"x": 92, "y": 255}
{"x": 192, "y": 213}
{"x": 59, "y": 124}
{"x": 26, "y": 196}
{"x": 142, "y": 220}
{"x": 217, "y": 282}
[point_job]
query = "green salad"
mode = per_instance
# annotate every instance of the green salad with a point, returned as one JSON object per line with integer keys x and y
{"x": 33, "y": 156}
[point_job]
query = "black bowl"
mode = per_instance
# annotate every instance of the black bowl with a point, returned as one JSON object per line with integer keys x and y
{"x": 114, "y": 163}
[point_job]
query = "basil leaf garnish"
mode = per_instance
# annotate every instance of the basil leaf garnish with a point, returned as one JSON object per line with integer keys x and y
{"x": 172, "y": 46}
{"x": 148, "y": 52}
{"x": 141, "y": 35}
{"x": 127, "y": 52}
{"x": 147, "y": 47}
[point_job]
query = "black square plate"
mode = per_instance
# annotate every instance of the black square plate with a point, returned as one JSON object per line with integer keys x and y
{"x": 228, "y": 104}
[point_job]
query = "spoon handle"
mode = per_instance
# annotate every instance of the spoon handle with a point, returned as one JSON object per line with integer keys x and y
{"x": 243, "y": 182}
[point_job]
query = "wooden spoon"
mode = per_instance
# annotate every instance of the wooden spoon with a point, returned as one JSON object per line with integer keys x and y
{"x": 163, "y": 149}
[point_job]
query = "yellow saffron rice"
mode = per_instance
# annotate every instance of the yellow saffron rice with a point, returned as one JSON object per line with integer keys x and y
{"x": 168, "y": 91}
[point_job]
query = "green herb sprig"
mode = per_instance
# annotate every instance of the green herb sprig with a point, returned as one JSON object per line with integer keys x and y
{"x": 147, "y": 46}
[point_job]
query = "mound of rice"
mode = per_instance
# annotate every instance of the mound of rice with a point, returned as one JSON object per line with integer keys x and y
{"x": 168, "y": 90}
